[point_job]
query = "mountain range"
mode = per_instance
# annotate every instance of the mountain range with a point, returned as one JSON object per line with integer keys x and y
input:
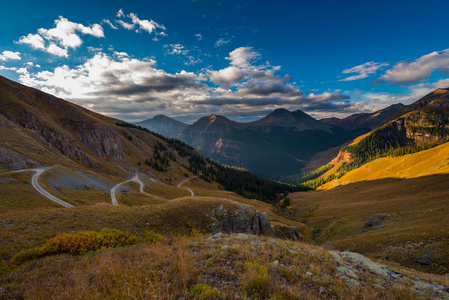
{"x": 283, "y": 140}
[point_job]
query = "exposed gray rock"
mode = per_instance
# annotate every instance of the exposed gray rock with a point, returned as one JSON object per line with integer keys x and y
{"x": 426, "y": 259}
{"x": 286, "y": 232}
{"x": 242, "y": 236}
{"x": 337, "y": 257}
{"x": 215, "y": 237}
{"x": 245, "y": 220}
{"x": 375, "y": 222}
{"x": 360, "y": 260}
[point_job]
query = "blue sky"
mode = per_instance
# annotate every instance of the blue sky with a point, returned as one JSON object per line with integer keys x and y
{"x": 242, "y": 59}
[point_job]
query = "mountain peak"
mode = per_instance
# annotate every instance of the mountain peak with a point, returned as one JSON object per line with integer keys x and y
{"x": 297, "y": 120}
{"x": 164, "y": 125}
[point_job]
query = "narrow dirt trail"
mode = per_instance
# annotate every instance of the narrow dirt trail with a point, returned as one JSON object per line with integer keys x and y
{"x": 35, "y": 183}
{"x": 180, "y": 185}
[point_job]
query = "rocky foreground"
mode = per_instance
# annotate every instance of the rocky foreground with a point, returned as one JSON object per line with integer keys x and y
{"x": 219, "y": 266}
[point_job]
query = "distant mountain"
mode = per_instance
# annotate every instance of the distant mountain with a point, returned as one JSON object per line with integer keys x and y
{"x": 365, "y": 120}
{"x": 230, "y": 143}
{"x": 275, "y": 146}
{"x": 296, "y": 120}
{"x": 163, "y": 125}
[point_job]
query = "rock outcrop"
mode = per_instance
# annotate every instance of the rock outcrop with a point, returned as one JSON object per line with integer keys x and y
{"x": 245, "y": 219}
{"x": 350, "y": 264}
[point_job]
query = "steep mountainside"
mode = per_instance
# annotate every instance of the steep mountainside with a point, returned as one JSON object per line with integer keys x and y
{"x": 231, "y": 143}
{"x": 273, "y": 147}
{"x": 367, "y": 121}
{"x": 393, "y": 208}
{"x": 421, "y": 125}
{"x": 163, "y": 125}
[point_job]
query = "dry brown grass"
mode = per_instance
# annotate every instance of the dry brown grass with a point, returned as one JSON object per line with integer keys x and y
{"x": 18, "y": 194}
{"x": 192, "y": 268}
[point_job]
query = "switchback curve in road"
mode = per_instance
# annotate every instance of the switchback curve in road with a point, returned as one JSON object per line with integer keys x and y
{"x": 137, "y": 179}
{"x": 35, "y": 183}
{"x": 180, "y": 185}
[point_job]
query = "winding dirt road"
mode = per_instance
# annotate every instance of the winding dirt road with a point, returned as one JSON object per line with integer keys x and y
{"x": 35, "y": 183}
{"x": 137, "y": 179}
{"x": 179, "y": 185}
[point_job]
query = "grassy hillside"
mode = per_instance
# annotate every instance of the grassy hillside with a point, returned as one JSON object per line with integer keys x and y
{"x": 412, "y": 190}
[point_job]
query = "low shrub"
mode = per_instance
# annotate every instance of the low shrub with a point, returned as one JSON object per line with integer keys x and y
{"x": 85, "y": 241}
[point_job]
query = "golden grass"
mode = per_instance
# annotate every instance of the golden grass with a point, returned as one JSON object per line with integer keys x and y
{"x": 418, "y": 208}
{"x": 428, "y": 162}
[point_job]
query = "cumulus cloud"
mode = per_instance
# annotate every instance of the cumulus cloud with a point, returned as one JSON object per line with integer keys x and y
{"x": 417, "y": 70}
{"x": 133, "y": 89}
{"x": 64, "y": 35}
{"x": 34, "y": 40}
{"x": 243, "y": 56}
{"x": 363, "y": 70}
{"x": 198, "y": 36}
{"x": 9, "y": 55}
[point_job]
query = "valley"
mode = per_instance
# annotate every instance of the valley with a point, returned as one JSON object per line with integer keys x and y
{"x": 79, "y": 190}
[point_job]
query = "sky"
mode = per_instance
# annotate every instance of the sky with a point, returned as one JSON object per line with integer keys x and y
{"x": 187, "y": 59}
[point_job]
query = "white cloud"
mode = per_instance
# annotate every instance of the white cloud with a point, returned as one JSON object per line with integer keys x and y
{"x": 417, "y": 70}
{"x": 34, "y": 40}
{"x": 8, "y": 68}
{"x": 243, "y": 56}
{"x": 441, "y": 84}
{"x": 125, "y": 25}
{"x": 64, "y": 35}
{"x": 178, "y": 49}
{"x": 198, "y": 36}
{"x": 228, "y": 76}
{"x": 9, "y": 55}
{"x": 120, "y": 13}
{"x": 222, "y": 41}
{"x": 145, "y": 25}
{"x": 56, "y": 50}
{"x": 106, "y": 21}
{"x": 175, "y": 49}
{"x": 364, "y": 70}
{"x": 128, "y": 88}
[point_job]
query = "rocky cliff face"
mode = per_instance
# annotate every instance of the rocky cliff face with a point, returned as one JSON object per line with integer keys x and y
{"x": 421, "y": 127}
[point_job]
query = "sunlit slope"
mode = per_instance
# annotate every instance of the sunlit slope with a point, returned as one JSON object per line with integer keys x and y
{"x": 428, "y": 162}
